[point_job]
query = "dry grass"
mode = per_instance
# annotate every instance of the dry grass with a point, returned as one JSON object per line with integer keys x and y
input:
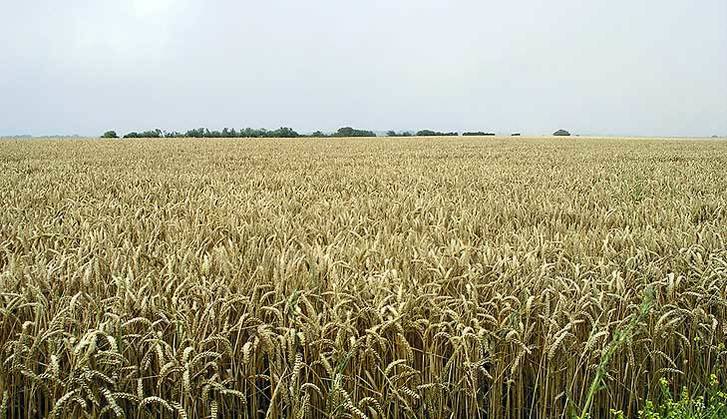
{"x": 358, "y": 278}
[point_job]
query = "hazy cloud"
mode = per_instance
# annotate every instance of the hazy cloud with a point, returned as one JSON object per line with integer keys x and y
{"x": 616, "y": 67}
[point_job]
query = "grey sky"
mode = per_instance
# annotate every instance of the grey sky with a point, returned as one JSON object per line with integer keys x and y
{"x": 601, "y": 67}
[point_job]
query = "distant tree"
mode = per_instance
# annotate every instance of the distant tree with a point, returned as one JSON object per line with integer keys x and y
{"x": 157, "y": 133}
{"x": 248, "y": 133}
{"x": 393, "y": 133}
{"x": 194, "y": 133}
{"x": 477, "y": 133}
{"x": 515, "y": 134}
{"x": 344, "y": 132}
{"x": 351, "y": 132}
{"x": 318, "y": 134}
{"x": 430, "y": 133}
{"x": 110, "y": 134}
{"x": 283, "y": 132}
{"x": 562, "y": 133}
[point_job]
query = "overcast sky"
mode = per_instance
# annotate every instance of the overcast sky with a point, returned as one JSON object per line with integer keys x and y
{"x": 619, "y": 67}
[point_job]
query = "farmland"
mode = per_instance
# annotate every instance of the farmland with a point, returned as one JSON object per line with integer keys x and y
{"x": 364, "y": 278}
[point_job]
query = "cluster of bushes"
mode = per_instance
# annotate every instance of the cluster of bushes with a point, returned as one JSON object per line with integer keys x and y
{"x": 422, "y": 133}
{"x": 282, "y": 132}
{"x": 430, "y": 133}
{"x": 393, "y": 133}
{"x": 477, "y": 133}
{"x": 343, "y": 132}
{"x": 351, "y": 132}
{"x": 157, "y": 133}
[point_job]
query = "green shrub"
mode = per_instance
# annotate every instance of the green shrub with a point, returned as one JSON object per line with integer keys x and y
{"x": 110, "y": 134}
{"x": 713, "y": 405}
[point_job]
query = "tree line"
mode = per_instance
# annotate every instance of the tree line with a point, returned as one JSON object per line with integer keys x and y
{"x": 286, "y": 132}
{"x": 282, "y": 132}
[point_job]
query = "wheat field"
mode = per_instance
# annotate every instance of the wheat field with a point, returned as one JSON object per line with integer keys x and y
{"x": 359, "y": 278}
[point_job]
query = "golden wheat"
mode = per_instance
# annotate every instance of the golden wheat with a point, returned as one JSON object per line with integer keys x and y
{"x": 375, "y": 278}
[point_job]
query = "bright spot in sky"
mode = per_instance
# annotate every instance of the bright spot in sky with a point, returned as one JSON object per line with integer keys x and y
{"x": 151, "y": 8}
